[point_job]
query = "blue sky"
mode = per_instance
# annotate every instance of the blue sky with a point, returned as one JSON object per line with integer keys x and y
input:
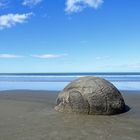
{"x": 69, "y": 35}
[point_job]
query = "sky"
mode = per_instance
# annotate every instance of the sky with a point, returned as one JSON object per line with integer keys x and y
{"x": 69, "y": 36}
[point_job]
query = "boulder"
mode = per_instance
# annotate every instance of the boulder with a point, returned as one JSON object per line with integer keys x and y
{"x": 90, "y": 95}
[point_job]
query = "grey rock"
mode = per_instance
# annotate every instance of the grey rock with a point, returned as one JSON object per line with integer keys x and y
{"x": 90, "y": 95}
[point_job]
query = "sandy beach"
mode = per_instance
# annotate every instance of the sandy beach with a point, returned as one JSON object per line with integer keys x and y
{"x": 30, "y": 115}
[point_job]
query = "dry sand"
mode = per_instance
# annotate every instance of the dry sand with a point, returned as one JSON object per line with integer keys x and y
{"x": 29, "y": 115}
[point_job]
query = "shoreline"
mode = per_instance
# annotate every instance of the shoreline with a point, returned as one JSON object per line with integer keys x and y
{"x": 30, "y": 115}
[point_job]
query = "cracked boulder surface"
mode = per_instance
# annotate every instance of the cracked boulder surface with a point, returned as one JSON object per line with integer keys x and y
{"x": 90, "y": 95}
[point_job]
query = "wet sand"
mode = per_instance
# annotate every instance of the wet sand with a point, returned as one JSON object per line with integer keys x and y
{"x": 30, "y": 115}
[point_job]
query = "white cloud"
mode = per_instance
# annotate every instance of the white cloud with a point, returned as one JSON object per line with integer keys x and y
{"x": 47, "y": 56}
{"x": 10, "y": 56}
{"x": 130, "y": 66}
{"x": 9, "y": 20}
{"x": 31, "y": 2}
{"x": 102, "y": 57}
{"x": 79, "y": 5}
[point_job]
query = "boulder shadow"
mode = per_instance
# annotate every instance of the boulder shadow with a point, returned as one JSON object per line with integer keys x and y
{"x": 127, "y": 108}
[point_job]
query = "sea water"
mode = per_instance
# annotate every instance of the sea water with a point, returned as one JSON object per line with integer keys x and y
{"x": 57, "y": 81}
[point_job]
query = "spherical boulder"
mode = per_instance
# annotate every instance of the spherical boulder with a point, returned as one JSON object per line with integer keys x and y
{"x": 90, "y": 95}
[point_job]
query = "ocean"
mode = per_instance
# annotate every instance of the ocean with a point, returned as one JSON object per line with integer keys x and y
{"x": 57, "y": 81}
